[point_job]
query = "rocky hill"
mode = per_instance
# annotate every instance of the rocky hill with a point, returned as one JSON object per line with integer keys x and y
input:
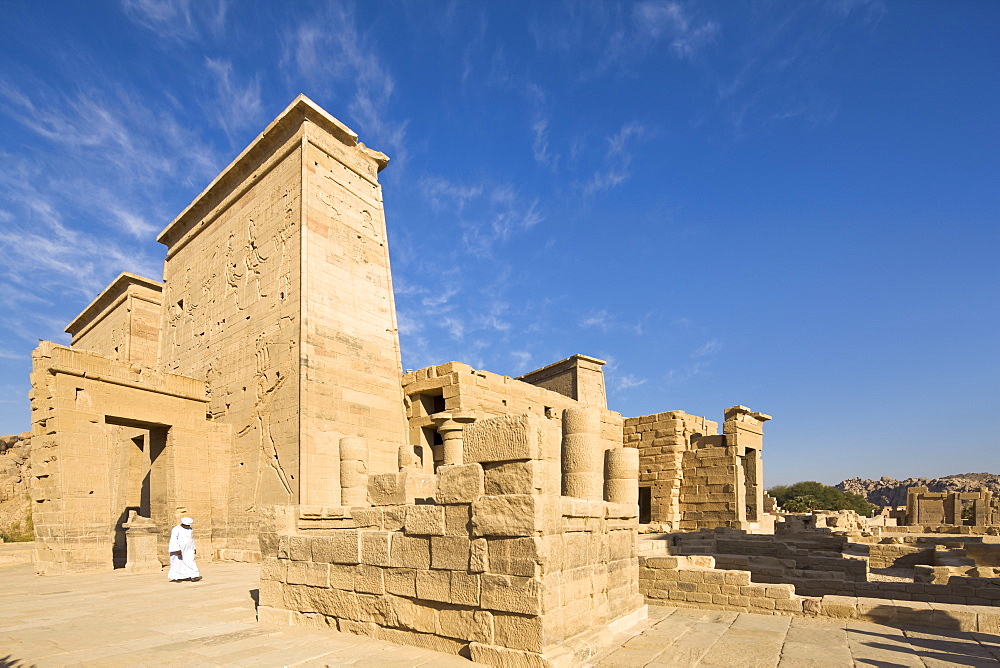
{"x": 891, "y": 492}
{"x": 15, "y": 504}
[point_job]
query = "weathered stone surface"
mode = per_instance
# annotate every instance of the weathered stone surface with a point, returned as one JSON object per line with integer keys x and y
{"x": 508, "y": 593}
{"x": 508, "y": 515}
{"x": 410, "y": 552}
{"x": 459, "y": 484}
{"x": 502, "y": 439}
{"x": 425, "y": 520}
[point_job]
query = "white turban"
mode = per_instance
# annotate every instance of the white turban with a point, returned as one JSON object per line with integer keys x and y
{"x": 187, "y": 520}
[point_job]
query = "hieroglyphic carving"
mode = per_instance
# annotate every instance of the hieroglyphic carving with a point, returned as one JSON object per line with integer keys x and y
{"x": 269, "y": 376}
{"x": 285, "y": 234}
{"x": 233, "y": 274}
{"x": 254, "y": 260}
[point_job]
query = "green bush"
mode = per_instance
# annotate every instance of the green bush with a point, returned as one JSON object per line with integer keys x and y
{"x": 810, "y": 495}
{"x": 18, "y": 533}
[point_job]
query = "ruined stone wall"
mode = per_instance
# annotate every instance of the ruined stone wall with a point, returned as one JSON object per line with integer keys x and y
{"x": 814, "y": 561}
{"x": 700, "y": 582}
{"x": 713, "y": 492}
{"x": 696, "y": 477}
{"x": 675, "y": 580}
{"x": 662, "y": 440}
{"x": 822, "y": 563}
{"x": 86, "y": 411}
{"x": 458, "y": 388}
{"x": 494, "y": 564}
{"x": 890, "y": 555}
{"x": 927, "y": 508}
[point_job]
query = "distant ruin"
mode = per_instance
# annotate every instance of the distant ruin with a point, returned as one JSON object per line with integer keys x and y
{"x": 924, "y": 507}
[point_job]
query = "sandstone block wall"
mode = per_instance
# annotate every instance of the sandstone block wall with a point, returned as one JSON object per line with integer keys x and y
{"x": 892, "y": 555}
{"x": 108, "y": 437}
{"x": 662, "y": 440}
{"x": 670, "y": 580}
{"x": 279, "y": 295}
{"x": 232, "y": 316}
{"x": 814, "y": 562}
{"x": 494, "y": 564}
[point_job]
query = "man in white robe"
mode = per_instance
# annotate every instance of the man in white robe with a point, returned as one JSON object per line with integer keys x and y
{"x": 182, "y": 551}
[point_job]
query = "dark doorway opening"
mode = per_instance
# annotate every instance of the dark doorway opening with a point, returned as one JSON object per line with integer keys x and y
{"x": 138, "y": 476}
{"x": 645, "y": 505}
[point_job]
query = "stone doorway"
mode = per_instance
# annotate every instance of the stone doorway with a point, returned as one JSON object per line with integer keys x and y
{"x": 138, "y": 477}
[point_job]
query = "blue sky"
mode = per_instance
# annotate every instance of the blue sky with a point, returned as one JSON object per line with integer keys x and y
{"x": 787, "y": 205}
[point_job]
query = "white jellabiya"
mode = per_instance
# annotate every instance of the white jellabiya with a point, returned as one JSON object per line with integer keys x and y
{"x": 182, "y": 551}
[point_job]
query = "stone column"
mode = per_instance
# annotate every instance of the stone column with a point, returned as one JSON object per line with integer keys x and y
{"x": 353, "y": 471}
{"x": 407, "y": 458}
{"x": 449, "y": 426}
{"x": 982, "y": 507}
{"x": 140, "y": 544}
{"x": 451, "y": 435}
{"x": 621, "y": 475}
{"x": 582, "y": 454}
{"x": 953, "y": 509}
{"x": 913, "y": 505}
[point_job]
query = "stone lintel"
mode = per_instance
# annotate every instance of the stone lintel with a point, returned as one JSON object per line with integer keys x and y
{"x": 736, "y": 411}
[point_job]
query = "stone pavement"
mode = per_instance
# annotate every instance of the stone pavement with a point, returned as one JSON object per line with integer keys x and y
{"x": 115, "y": 619}
{"x": 693, "y": 637}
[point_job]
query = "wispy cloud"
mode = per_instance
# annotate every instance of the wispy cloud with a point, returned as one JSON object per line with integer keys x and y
{"x": 601, "y": 39}
{"x": 774, "y": 64}
{"x": 522, "y": 361}
{"x": 601, "y": 320}
{"x": 178, "y": 20}
{"x": 444, "y": 194}
{"x": 685, "y": 373}
{"x": 439, "y": 299}
{"x": 166, "y": 18}
{"x": 628, "y": 381}
{"x": 455, "y": 327}
{"x": 615, "y": 380}
{"x": 487, "y": 214}
{"x": 87, "y": 202}
{"x": 113, "y": 125}
{"x": 539, "y": 110}
{"x": 707, "y": 348}
{"x": 606, "y": 321}
{"x": 237, "y": 104}
{"x": 617, "y": 160}
{"x": 659, "y": 19}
